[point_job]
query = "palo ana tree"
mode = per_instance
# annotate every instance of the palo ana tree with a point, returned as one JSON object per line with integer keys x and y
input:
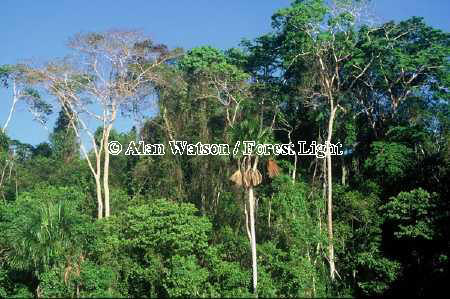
{"x": 109, "y": 71}
{"x": 318, "y": 40}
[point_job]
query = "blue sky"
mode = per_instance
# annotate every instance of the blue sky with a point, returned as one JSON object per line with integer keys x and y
{"x": 39, "y": 29}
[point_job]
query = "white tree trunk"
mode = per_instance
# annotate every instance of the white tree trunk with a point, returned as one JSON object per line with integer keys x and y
{"x": 251, "y": 199}
{"x": 97, "y": 175}
{"x": 330, "y": 193}
{"x": 344, "y": 173}
{"x": 294, "y": 172}
{"x": 106, "y": 171}
{"x": 97, "y": 171}
{"x": 98, "y": 187}
{"x": 13, "y": 107}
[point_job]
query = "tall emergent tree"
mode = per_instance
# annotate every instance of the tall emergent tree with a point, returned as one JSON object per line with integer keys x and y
{"x": 337, "y": 63}
{"x": 109, "y": 71}
{"x": 318, "y": 40}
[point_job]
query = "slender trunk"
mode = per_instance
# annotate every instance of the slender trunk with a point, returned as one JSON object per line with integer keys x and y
{"x": 251, "y": 200}
{"x": 324, "y": 175}
{"x": 98, "y": 187}
{"x": 294, "y": 172}
{"x": 330, "y": 220}
{"x": 96, "y": 172}
{"x": 13, "y": 107}
{"x": 106, "y": 165}
{"x": 3, "y": 174}
{"x": 344, "y": 172}
{"x": 17, "y": 188}
{"x": 247, "y": 225}
{"x": 106, "y": 171}
{"x": 330, "y": 193}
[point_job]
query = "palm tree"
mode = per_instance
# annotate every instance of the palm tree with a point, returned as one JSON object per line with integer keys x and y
{"x": 42, "y": 230}
{"x": 248, "y": 177}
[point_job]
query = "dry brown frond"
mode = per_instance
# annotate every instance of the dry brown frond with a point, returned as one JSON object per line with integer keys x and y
{"x": 272, "y": 168}
{"x": 256, "y": 177}
{"x": 237, "y": 177}
{"x": 247, "y": 178}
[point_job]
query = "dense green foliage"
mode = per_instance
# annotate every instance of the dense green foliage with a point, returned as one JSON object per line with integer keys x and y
{"x": 178, "y": 223}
